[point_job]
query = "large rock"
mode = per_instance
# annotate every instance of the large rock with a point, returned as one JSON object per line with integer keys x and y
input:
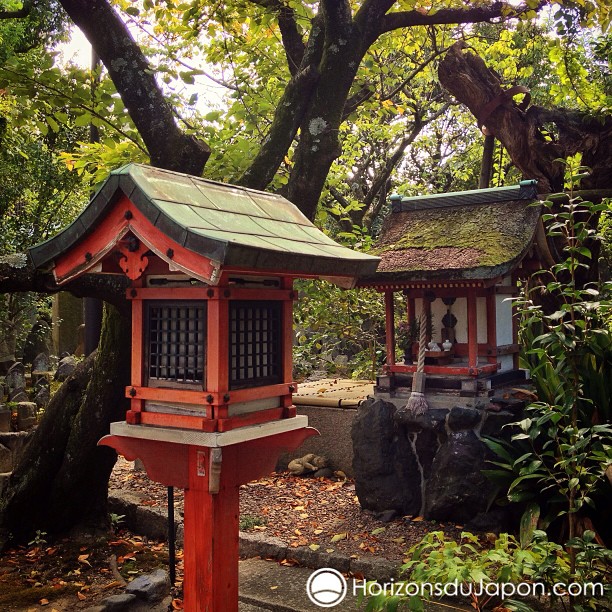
{"x": 6, "y": 459}
{"x": 457, "y": 490}
{"x": 387, "y": 475}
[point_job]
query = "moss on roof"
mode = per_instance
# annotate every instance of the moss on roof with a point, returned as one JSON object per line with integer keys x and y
{"x": 477, "y": 241}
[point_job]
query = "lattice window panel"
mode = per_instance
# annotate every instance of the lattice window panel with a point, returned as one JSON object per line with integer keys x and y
{"x": 176, "y": 343}
{"x": 255, "y": 344}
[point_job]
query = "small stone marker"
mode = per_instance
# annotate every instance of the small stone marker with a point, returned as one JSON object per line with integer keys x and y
{"x": 26, "y": 415}
{"x": 42, "y": 397}
{"x": 5, "y": 418}
{"x": 65, "y": 367}
{"x": 150, "y": 587}
{"x": 41, "y": 364}
{"x": 18, "y": 395}
{"x": 15, "y": 377}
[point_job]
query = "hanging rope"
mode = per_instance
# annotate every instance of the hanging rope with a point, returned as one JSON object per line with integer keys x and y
{"x": 417, "y": 404}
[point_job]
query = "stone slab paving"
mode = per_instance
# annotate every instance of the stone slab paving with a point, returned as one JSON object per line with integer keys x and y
{"x": 282, "y": 589}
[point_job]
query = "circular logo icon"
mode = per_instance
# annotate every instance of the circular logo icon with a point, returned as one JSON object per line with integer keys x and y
{"x": 326, "y": 587}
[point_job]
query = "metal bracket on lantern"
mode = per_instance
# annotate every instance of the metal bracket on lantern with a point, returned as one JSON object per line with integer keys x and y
{"x": 214, "y": 473}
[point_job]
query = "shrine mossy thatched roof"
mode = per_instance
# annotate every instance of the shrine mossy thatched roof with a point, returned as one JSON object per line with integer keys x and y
{"x": 480, "y": 234}
{"x": 231, "y": 225}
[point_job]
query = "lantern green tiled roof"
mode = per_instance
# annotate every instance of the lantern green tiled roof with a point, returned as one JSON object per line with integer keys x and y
{"x": 232, "y": 225}
{"x": 479, "y": 234}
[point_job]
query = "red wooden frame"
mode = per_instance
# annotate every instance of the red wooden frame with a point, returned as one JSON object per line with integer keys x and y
{"x": 122, "y": 218}
{"x": 449, "y": 370}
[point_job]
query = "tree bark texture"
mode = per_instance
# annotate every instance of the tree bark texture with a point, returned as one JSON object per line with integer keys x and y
{"x": 468, "y": 79}
{"x": 336, "y": 46}
{"x": 62, "y": 477}
{"x": 134, "y": 79}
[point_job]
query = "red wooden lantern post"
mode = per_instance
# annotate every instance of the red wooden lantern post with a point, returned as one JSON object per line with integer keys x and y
{"x": 211, "y": 271}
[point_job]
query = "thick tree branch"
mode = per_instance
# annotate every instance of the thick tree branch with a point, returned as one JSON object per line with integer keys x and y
{"x": 292, "y": 39}
{"x": 476, "y": 14}
{"x": 289, "y": 114}
{"x": 133, "y": 77}
{"x": 287, "y": 118}
{"x": 467, "y": 77}
{"x": 18, "y": 274}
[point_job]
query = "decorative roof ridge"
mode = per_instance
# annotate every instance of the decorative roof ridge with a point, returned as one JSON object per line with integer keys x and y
{"x": 124, "y": 170}
{"x": 525, "y": 190}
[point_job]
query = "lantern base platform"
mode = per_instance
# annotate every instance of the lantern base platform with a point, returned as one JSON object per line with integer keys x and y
{"x": 208, "y": 439}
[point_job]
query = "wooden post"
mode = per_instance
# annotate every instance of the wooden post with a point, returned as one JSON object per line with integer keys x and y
{"x": 491, "y": 326}
{"x": 217, "y": 363}
{"x": 137, "y": 367}
{"x": 390, "y": 326}
{"x": 211, "y": 534}
{"x": 472, "y": 317}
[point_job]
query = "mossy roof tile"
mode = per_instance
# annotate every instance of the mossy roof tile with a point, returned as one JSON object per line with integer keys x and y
{"x": 232, "y": 225}
{"x": 454, "y": 242}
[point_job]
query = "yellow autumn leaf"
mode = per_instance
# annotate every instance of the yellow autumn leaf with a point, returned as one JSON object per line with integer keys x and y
{"x": 339, "y": 536}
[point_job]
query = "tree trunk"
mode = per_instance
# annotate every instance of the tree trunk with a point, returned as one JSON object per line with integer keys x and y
{"x": 468, "y": 78}
{"x": 61, "y": 480}
{"x": 134, "y": 78}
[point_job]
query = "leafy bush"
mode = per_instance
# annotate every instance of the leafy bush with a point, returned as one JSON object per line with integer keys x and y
{"x": 338, "y": 331}
{"x": 563, "y": 448}
{"x": 488, "y": 576}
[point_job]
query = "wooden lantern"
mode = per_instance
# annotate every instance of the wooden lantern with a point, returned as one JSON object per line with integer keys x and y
{"x": 211, "y": 270}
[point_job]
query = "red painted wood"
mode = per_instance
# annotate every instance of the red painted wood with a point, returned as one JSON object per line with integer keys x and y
{"x": 211, "y": 536}
{"x": 217, "y": 374}
{"x": 179, "y": 396}
{"x": 268, "y": 295}
{"x": 472, "y": 317}
{"x": 257, "y": 458}
{"x": 133, "y": 263}
{"x": 390, "y": 327}
{"x": 164, "y": 462}
{"x": 287, "y": 341}
{"x": 137, "y": 343}
{"x": 136, "y": 405}
{"x": 410, "y": 310}
{"x": 133, "y": 417}
{"x": 491, "y": 327}
{"x": 210, "y": 519}
{"x": 111, "y": 229}
{"x": 255, "y": 393}
{"x": 449, "y": 370}
{"x": 168, "y": 293}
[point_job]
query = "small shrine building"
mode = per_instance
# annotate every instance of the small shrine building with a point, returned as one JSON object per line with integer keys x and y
{"x": 456, "y": 258}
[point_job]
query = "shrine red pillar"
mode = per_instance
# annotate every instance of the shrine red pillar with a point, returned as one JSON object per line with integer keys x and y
{"x": 491, "y": 327}
{"x": 472, "y": 320}
{"x": 390, "y": 327}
